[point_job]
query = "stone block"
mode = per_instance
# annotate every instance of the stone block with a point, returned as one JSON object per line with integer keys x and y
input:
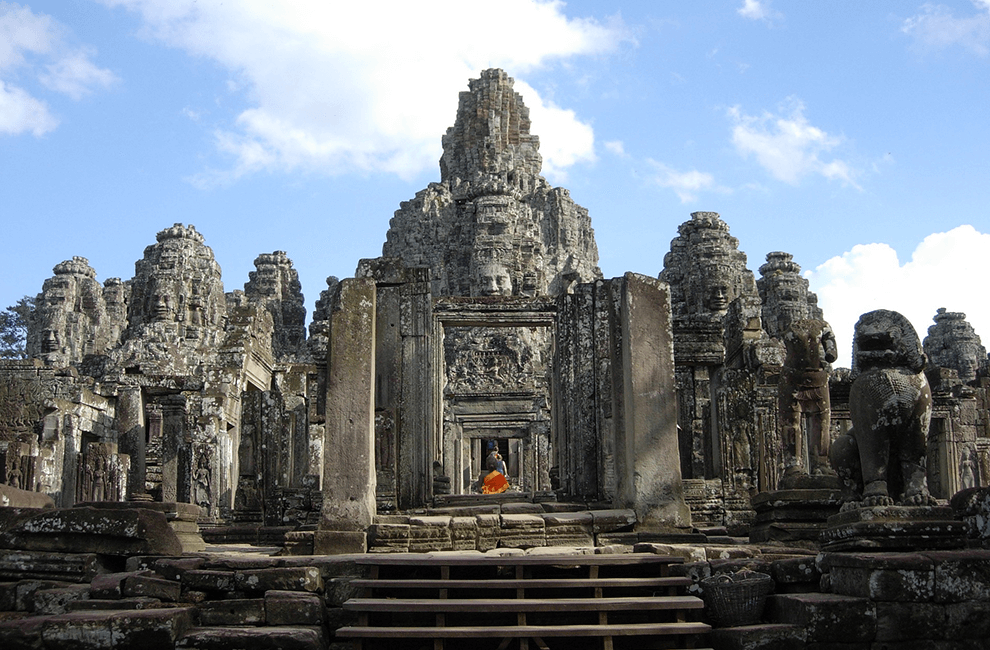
{"x": 108, "y": 586}
{"x": 386, "y": 537}
{"x": 961, "y": 575}
{"x": 293, "y": 608}
{"x": 234, "y": 611}
{"x": 94, "y": 530}
{"x": 609, "y": 521}
{"x": 149, "y": 629}
{"x": 967, "y": 620}
{"x": 893, "y": 528}
{"x": 8, "y": 596}
{"x": 150, "y": 587}
{"x": 25, "y": 590}
{"x": 339, "y": 542}
{"x": 208, "y": 580}
{"x": 826, "y": 617}
{"x": 795, "y": 571}
{"x": 899, "y": 621}
{"x": 896, "y": 577}
{"x": 124, "y": 603}
{"x": 256, "y": 638}
{"x": 174, "y": 568}
{"x": 522, "y": 531}
{"x": 464, "y": 533}
{"x": 522, "y": 508}
{"x": 283, "y": 578}
{"x": 766, "y": 636}
{"x": 58, "y": 601}
{"x": 41, "y": 565}
{"x": 22, "y": 633}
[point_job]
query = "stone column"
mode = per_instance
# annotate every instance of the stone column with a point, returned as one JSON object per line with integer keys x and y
{"x": 173, "y": 435}
{"x": 129, "y": 427}
{"x": 651, "y": 484}
{"x": 349, "y": 449}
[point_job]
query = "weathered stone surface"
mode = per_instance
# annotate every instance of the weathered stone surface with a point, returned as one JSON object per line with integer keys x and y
{"x": 293, "y": 608}
{"x": 232, "y": 611}
{"x": 208, "y": 580}
{"x": 339, "y": 542}
{"x": 900, "y": 577}
{"x": 12, "y": 497}
{"x": 953, "y": 343}
{"x": 58, "y": 601}
{"x": 910, "y": 621}
{"x": 493, "y": 225}
{"x": 90, "y": 530}
{"x": 826, "y": 617}
{"x": 257, "y": 638}
{"x": 765, "y": 636}
{"x": 349, "y": 469}
{"x": 149, "y": 629}
{"x": 147, "y": 586}
{"x": 890, "y": 404}
{"x": 275, "y": 285}
{"x": 961, "y": 575}
{"x": 893, "y": 528}
{"x": 967, "y": 620}
{"x": 284, "y": 578}
{"x": 40, "y": 565}
{"x": 649, "y": 470}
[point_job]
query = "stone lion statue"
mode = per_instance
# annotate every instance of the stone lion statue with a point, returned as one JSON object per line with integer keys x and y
{"x": 890, "y": 404}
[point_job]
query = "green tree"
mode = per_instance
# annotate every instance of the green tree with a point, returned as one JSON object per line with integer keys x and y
{"x": 13, "y": 329}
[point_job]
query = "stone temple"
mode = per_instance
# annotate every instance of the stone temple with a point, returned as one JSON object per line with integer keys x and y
{"x": 696, "y": 406}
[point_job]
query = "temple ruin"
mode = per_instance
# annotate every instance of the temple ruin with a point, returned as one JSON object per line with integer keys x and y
{"x": 692, "y": 403}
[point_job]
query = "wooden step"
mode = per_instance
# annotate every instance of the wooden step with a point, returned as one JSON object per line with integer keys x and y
{"x": 452, "y": 560}
{"x": 522, "y": 631}
{"x": 522, "y": 583}
{"x": 486, "y": 605}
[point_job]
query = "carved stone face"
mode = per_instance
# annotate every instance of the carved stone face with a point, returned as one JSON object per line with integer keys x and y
{"x": 718, "y": 298}
{"x": 50, "y": 341}
{"x": 494, "y": 280}
{"x": 161, "y": 307}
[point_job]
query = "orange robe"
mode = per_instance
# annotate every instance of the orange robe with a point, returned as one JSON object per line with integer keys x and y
{"x": 495, "y": 482}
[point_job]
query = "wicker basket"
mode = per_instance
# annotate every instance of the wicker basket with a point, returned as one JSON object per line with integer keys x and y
{"x": 736, "y": 598}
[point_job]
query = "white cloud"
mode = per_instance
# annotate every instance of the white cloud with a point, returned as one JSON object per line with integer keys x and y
{"x": 757, "y": 10}
{"x": 20, "y": 112}
{"x": 937, "y": 28}
{"x": 787, "y": 145}
{"x": 941, "y": 273}
{"x": 328, "y": 93}
{"x": 75, "y": 75}
{"x": 34, "y": 46}
{"x": 615, "y": 147}
{"x": 686, "y": 185}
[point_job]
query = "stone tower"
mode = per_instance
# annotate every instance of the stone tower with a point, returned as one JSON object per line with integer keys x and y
{"x": 275, "y": 284}
{"x": 493, "y": 225}
{"x": 71, "y": 318}
{"x": 785, "y": 294}
{"x": 177, "y": 308}
{"x": 953, "y": 343}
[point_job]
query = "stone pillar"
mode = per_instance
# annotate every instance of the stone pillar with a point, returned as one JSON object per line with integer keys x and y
{"x": 129, "y": 427}
{"x": 349, "y": 448}
{"x": 173, "y": 439}
{"x": 651, "y": 484}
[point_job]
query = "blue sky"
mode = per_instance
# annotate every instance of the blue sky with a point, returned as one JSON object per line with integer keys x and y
{"x": 852, "y": 135}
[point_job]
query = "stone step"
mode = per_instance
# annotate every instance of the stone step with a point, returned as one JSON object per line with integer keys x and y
{"x": 826, "y": 618}
{"x": 765, "y": 636}
{"x": 256, "y": 638}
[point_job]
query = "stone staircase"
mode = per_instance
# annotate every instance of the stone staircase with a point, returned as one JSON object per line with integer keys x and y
{"x": 469, "y": 600}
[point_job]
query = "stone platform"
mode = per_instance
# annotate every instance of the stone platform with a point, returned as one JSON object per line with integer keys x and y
{"x": 794, "y": 515}
{"x": 893, "y": 528}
